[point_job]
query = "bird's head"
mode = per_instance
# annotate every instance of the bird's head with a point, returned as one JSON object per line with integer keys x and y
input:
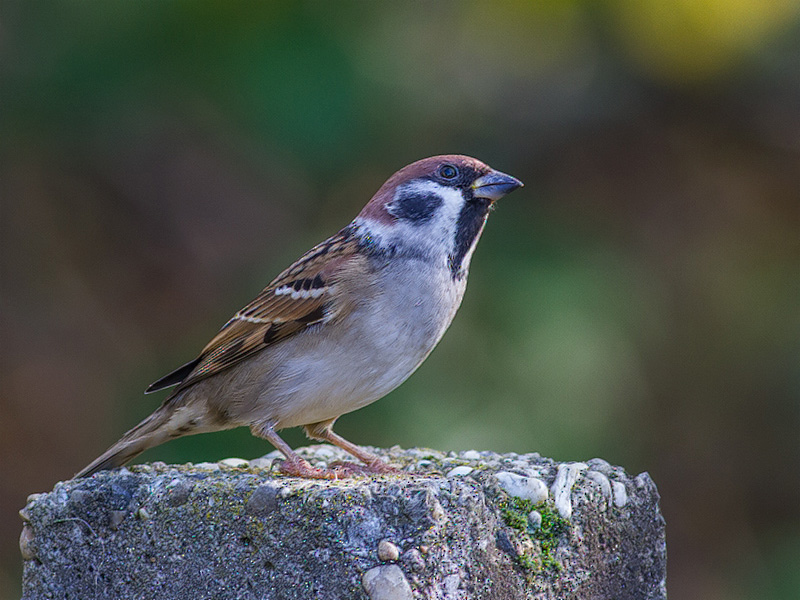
{"x": 435, "y": 207}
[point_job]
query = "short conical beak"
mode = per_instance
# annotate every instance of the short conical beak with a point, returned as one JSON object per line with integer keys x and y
{"x": 495, "y": 185}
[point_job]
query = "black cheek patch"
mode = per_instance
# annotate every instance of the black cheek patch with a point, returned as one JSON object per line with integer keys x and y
{"x": 416, "y": 207}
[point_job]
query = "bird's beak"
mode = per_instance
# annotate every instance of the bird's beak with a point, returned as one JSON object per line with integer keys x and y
{"x": 494, "y": 185}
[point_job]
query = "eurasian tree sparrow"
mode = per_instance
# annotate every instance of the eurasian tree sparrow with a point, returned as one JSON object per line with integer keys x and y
{"x": 341, "y": 327}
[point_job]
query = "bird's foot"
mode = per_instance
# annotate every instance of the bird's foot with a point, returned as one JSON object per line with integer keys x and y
{"x": 376, "y": 466}
{"x": 300, "y": 467}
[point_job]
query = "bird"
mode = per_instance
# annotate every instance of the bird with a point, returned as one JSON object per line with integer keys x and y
{"x": 340, "y": 328}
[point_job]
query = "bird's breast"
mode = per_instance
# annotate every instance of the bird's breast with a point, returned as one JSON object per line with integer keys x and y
{"x": 340, "y": 366}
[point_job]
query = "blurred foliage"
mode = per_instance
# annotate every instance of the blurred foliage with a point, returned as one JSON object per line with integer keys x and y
{"x": 161, "y": 161}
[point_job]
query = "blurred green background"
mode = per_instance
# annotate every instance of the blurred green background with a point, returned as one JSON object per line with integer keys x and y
{"x": 161, "y": 161}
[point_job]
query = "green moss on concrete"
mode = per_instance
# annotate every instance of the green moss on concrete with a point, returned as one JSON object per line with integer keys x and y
{"x": 548, "y": 534}
{"x": 515, "y": 513}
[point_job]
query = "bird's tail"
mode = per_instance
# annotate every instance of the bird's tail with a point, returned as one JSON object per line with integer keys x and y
{"x": 164, "y": 424}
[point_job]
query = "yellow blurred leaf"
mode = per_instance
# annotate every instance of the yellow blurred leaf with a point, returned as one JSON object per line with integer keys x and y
{"x": 692, "y": 40}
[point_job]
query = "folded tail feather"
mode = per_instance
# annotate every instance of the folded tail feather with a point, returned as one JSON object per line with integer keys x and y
{"x": 156, "y": 429}
{"x": 177, "y": 376}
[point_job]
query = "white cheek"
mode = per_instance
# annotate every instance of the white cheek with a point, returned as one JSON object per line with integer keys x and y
{"x": 436, "y": 236}
{"x": 439, "y": 232}
{"x": 452, "y": 201}
{"x": 446, "y": 220}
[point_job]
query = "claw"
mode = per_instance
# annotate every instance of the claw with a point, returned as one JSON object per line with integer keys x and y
{"x": 302, "y": 468}
{"x": 338, "y": 470}
{"x": 375, "y": 467}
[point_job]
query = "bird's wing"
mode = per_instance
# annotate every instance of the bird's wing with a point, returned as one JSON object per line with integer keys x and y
{"x": 298, "y": 298}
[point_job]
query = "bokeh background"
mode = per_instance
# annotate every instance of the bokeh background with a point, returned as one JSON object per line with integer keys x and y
{"x": 160, "y": 162}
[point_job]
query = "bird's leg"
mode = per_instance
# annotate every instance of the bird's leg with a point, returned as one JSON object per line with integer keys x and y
{"x": 294, "y": 465}
{"x": 323, "y": 431}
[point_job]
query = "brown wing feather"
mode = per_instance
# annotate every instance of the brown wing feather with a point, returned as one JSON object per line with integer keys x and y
{"x": 272, "y": 317}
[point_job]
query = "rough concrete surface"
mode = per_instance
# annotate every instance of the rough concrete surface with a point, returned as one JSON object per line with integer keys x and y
{"x": 463, "y": 526}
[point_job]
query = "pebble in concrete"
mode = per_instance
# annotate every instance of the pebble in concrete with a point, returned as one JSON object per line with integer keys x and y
{"x": 461, "y": 471}
{"x": 519, "y": 486}
{"x": 236, "y": 463}
{"x": 387, "y": 582}
{"x": 620, "y": 494}
{"x": 387, "y": 551}
{"x": 178, "y": 491}
{"x": 602, "y": 482}
{"x": 566, "y": 477}
{"x": 263, "y": 501}
{"x": 534, "y": 519}
{"x": 26, "y": 543}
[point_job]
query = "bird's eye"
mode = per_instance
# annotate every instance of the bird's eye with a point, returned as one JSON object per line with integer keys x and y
{"x": 448, "y": 171}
